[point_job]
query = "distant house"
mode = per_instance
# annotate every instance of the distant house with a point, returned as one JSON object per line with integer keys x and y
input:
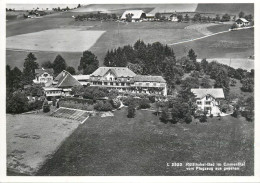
{"x": 174, "y": 18}
{"x": 208, "y": 99}
{"x": 150, "y": 16}
{"x": 137, "y": 15}
{"x": 242, "y": 22}
{"x": 43, "y": 76}
{"x": 61, "y": 85}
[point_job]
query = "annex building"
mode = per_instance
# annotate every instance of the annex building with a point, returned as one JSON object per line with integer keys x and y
{"x": 43, "y": 76}
{"x": 208, "y": 99}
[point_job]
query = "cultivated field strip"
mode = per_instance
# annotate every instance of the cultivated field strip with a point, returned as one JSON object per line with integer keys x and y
{"x": 74, "y": 114}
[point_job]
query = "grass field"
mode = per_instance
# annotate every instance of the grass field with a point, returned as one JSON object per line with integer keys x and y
{"x": 31, "y": 139}
{"x": 55, "y": 40}
{"x": 143, "y": 146}
{"x": 234, "y": 44}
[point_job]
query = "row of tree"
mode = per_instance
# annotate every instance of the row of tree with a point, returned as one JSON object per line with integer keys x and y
{"x": 96, "y": 16}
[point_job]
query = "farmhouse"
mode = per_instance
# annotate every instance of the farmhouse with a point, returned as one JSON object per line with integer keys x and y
{"x": 61, "y": 85}
{"x": 242, "y": 22}
{"x": 125, "y": 80}
{"x": 208, "y": 99}
{"x": 136, "y": 15}
{"x": 43, "y": 76}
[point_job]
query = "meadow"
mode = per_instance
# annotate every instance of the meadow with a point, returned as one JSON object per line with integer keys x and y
{"x": 143, "y": 146}
{"x": 33, "y": 138}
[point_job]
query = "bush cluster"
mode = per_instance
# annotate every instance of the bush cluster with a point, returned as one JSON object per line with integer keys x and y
{"x": 75, "y": 105}
{"x": 103, "y": 106}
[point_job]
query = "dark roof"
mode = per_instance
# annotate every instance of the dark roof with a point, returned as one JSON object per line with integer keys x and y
{"x": 214, "y": 92}
{"x": 143, "y": 78}
{"x": 39, "y": 72}
{"x": 65, "y": 79}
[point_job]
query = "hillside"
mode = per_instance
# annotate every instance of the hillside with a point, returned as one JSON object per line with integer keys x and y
{"x": 231, "y": 8}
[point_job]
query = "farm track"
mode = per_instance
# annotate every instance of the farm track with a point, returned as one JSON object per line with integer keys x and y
{"x": 202, "y": 37}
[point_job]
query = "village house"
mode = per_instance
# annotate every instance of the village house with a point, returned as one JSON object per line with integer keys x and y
{"x": 208, "y": 99}
{"x": 43, "y": 76}
{"x": 242, "y": 22}
{"x": 125, "y": 80}
{"x": 61, "y": 85}
{"x": 137, "y": 15}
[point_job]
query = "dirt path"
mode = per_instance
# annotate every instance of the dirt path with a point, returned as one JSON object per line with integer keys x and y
{"x": 198, "y": 38}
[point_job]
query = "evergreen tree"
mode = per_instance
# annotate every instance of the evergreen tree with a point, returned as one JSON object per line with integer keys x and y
{"x": 131, "y": 110}
{"x": 88, "y": 63}
{"x": 192, "y": 55}
{"x": 241, "y": 14}
{"x": 222, "y": 80}
{"x": 59, "y": 64}
{"x": 16, "y": 75}
{"x": 71, "y": 70}
{"x": 186, "y": 18}
{"x": 30, "y": 65}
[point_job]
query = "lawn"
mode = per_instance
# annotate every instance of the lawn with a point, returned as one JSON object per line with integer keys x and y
{"x": 143, "y": 146}
{"x": 33, "y": 138}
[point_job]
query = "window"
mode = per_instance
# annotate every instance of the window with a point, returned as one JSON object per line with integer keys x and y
{"x": 208, "y": 108}
{"x": 154, "y": 84}
{"x": 207, "y": 102}
{"x": 199, "y": 102}
{"x": 111, "y": 79}
{"x": 111, "y": 83}
{"x": 117, "y": 84}
{"x": 122, "y": 84}
{"x": 105, "y": 83}
{"x": 147, "y": 84}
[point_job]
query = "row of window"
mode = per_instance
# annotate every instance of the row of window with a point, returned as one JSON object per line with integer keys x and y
{"x": 206, "y": 102}
{"x": 52, "y": 92}
{"x": 152, "y": 84}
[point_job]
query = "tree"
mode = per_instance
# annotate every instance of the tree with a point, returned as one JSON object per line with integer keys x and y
{"x": 234, "y": 25}
{"x": 30, "y": 65}
{"x": 225, "y": 18}
{"x": 222, "y": 80}
{"x": 165, "y": 115}
{"x": 241, "y": 14}
{"x": 47, "y": 65}
{"x": 205, "y": 82}
{"x": 180, "y": 18}
{"x": 16, "y": 103}
{"x": 247, "y": 84}
{"x": 217, "y": 18}
{"x": 192, "y": 55}
{"x": 249, "y": 17}
{"x": 128, "y": 17}
{"x": 71, "y": 70}
{"x": 45, "y": 106}
{"x": 204, "y": 64}
{"x": 197, "y": 17}
{"x": 190, "y": 82}
{"x": 16, "y": 75}
{"x": 157, "y": 16}
{"x": 78, "y": 6}
{"x": 186, "y": 18}
{"x": 59, "y": 64}
{"x": 88, "y": 63}
{"x": 131, "y": 110}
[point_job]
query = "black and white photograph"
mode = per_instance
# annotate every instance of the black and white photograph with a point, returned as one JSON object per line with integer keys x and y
{"x": 147, "y": 89}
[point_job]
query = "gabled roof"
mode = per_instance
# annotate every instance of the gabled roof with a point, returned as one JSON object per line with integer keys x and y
{"x": 39, "y": 72}
{"x": 118, "y": 71}
{"x": 214, "y": 92}
{"x": 243, "y": 20}
{"x": 143, "y": 78}
{"x": 65, "y": 79}
{"x": 136, "y": 14}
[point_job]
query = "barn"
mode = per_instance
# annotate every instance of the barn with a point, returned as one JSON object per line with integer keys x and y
{"x": 136, "y": 15}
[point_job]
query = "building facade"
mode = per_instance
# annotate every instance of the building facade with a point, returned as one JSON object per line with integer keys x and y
{"x": 208, "y": 99}
{"x": 43, "y": 76}
{"x": 242, "y": 22}
{"x": 125, "y": 80}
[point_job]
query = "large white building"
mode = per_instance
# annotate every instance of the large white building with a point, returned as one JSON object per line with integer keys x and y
{"x": 123, "y": 79}
{"x": 208, "y": 99}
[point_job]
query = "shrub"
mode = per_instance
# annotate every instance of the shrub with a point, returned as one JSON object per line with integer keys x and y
{"x": 103, "y": 106}
{"x": 16, "y": 103}
{"x": 152, "y": 98}
{"x": 45, "y": 106}
{"x": 131, "y": 110}
{"x": 35, "y": 105}
{"x": 188, "y": 118}
{"x": 165, "y": 115}
{"x": 224, "y": 108}
{"x": 211, "y": 115}
{"x": 235, "y": 113}
{"x": 203, "y": 118}
{"x": 115, "y": 103}
{"x": 144, "y": 104}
